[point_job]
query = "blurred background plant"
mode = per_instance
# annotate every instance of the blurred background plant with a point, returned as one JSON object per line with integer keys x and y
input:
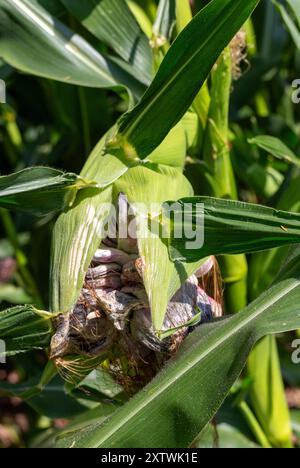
{"x": 49, "y": 123}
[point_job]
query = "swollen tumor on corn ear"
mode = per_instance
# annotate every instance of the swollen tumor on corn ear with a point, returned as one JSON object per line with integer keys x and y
{"x": 111, "y": 320}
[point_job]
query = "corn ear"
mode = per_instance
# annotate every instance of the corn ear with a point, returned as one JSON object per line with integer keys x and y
{"x": 77, "y": 232}
{"x": 162, "y": 278}
{"x": 24, "y": 328}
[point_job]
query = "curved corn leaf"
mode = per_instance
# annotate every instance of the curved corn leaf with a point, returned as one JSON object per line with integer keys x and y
{"x": 181, "y": 75}
{"x": 141, "y": 16}
{"x": 112, "y": 22}
{"x": 22, "y": 329}
{"x": 152, "y": 184}
{"x": 232, "y": 227}
{"x": 41, "y": 45}
{"x": 183, "y": 14}
{"x": 288, "y": 20}
{"x": 276, "y": 148}
{"x": 202, "y": 101}
{"x": 39, "y": 190}
{"x": 177, "y": 405}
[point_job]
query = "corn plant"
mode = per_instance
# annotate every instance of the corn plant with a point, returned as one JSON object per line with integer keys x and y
{"x": 130, "y": 301}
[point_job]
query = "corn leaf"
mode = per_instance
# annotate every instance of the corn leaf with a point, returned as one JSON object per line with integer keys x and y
{"x": 142, "y": 16}
{"x": 112, "y": 22}
{"x": 276, "y": 148}
{"x": 292, "y": 27}
{"x": 39, "y": 190}
{"x": 14, "y": 294}
{"x": 23, "y": 328}
{"x": 181, "y": 75}
{"x": 232, "y": 227}
{"x": 42, "y": 45}
{"x": 70, "y": 255}
{"x": 172, "y": 151}
{"x": 192, "y": 386}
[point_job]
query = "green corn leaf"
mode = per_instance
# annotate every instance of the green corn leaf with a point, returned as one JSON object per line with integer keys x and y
{"x": 23, "y": 328}
{"x": 232, "y": 227}
{"x": 292, "y": 27}
{"x": 112, "y": 22}
{"x": 142, "y": 16}
{"x": 264, "y": 265}
{"x": 172, "y": 151}
{"x": 181, "y": 75}
{"x": 276, "y": 148}
{"x": 39, "y": 190}
{"x": 183, "y": 14}
{"x": 295, "y": 8}
{"x": 42, "y": 45}
{"x": 202, "y": 101}
{"x": 14, "y": 294}
{"x": 192, "y": 386}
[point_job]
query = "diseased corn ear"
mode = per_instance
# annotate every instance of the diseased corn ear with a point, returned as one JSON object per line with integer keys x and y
{"x": 162, "y": 278}
{"x": 77, "y": 232}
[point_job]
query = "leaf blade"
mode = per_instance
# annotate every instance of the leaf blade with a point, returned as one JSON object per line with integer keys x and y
{"x": 192, "y": 387}
{"x": 232, "y": 227}
{"x": 198, "y": 46}
{"x": 112, "y": 22}
{"x": 42, "y": 45}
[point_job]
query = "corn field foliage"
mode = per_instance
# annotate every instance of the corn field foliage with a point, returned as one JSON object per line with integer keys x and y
{"x": 124, "y": 123}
